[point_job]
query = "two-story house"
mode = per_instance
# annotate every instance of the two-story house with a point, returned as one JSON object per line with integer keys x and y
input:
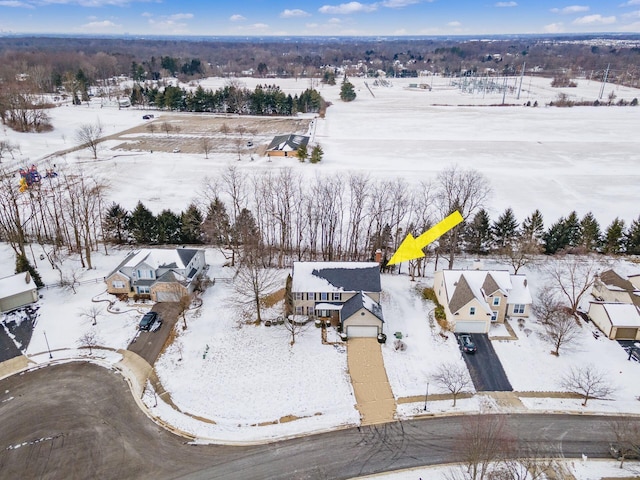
{"x": 164, "y": 275}
{"x": 344, "y": 293}
{"x": 474, "y": 299}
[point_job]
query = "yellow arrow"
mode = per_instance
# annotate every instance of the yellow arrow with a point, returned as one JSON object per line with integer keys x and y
{"x": 411, "y": 248}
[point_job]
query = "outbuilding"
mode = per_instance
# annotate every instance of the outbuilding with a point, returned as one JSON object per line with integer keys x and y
{"x": 618, "y": 321}
{"x": 17, "y": 291}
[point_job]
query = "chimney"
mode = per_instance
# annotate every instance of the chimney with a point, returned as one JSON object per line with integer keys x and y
{"x": 378, "y": 256}
{"x": 27, "y": 278}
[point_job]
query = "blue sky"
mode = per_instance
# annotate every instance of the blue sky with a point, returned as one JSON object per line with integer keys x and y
{"x": 312, "y": 17}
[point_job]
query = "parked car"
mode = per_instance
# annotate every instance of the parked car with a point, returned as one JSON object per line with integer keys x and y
{"x": 147, "y": 117}
{"x": 148, "y": 320}
{"x": 249, "y": 143}
{"x": 176, "y": 150}
{"x": 466, "y": 344}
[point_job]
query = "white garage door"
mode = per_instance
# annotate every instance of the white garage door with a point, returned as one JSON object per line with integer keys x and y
{"x": 471, "y": 327}
{"x": 167, "y": 296}
{"x": 362, "y": 331}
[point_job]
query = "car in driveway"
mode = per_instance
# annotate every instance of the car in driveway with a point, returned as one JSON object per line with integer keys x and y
{"x": 149, "y": 321}
{"x": 466, "y": 343}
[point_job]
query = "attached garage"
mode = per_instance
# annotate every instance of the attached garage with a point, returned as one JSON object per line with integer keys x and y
{"x": 167, "y": 296}
{"x": 626, "y": 333}
{"x": 17, "y": 291}
{"x": 618, "y": 321}
{"x": 471, "y": 327}
{"x": 362, "y": 331}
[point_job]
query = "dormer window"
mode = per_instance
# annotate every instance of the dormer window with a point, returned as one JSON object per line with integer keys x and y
{"x": 472, "y": 310}
{"x": 496, "y": 301}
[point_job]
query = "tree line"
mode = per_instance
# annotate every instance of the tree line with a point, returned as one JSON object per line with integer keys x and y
{"x": 232, "y": 98}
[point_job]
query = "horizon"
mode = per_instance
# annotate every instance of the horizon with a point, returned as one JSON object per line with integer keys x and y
{"x": 257, "y": 18}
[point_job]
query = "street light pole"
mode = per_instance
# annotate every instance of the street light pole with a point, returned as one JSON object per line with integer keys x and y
{"x": 47, "y": 341}
{"x": 426, "y": 397}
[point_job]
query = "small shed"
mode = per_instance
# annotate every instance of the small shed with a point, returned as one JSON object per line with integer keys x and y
{"x": 618, "y": 321}
{"x": 17, "y": 291}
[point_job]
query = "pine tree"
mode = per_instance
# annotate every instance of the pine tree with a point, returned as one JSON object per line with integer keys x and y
{"x": 591, "y": 236}
{"x": 477, "y": 233}
{"x": 216, "y": 224}
{"x": 116, "y": 224}
{"x": 302, "y": 153}
{"x": 614, "y": 237}
{"x": 556, "y": 237}
{"x": 505, "y": 229}
{"x": 23, "y": 265}
{"x": 347, "y": 92}
{"x": 316, "y": 154}
{"x": 142, "y": 225}
{"x": 632, "y": 238}
{"x": 533, "y": 226}
{"x": 168, "y": 226}
{"x": 191, "y": 229}
{"x": 573, "y": 230}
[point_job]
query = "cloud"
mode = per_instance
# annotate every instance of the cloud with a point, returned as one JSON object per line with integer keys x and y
{"x": 236, "y": 18}
{"x": 634, "y": 14}
{"x": 454, "y": 24}
{"x": 595, "y": 19}
{"x": 506, "y": 4}
{"x": 571, "y": 9}
{"x": 554, "y": 28}
{"x": 399, "y": 3}
{"x": 99, "y": 25}
{"x": 630, "y": 3}
{"x": 348, "y": 8}
{"x": 15, "y": 4}
{"x": 296, "y": 12}
{"x": 180, "y": 16}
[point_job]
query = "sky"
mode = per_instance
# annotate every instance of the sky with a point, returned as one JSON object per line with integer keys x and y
{"x": 317, "y": 17}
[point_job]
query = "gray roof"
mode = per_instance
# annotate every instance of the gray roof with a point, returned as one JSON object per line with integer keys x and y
{"x": 352, "y": 280}
{"x": 462, "y": 295}
{"x": 280, "y": 142}
{"x": 611, "y": 278}
{"x": 358, "y": 301}
{"x": 490, "y": 286}
{"x": 186, "y": 254}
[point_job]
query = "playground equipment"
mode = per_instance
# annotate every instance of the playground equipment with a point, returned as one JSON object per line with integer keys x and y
{"x": 29, "y": 177}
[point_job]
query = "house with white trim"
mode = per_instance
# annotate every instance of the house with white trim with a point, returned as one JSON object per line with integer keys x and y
{"x": 474, "y": 299}
{"x": 346, "y": 294}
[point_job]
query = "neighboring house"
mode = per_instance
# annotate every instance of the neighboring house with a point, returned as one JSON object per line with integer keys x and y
{"x": 618, "y": 321}
{"x": 611, "y": 287}
{"x": 344, "y": 293}
{"x": 164, "y": 275}
{"x": 474, "y": 299}
{"x": 17, "y": 291}
{"x": 286, "y": 145}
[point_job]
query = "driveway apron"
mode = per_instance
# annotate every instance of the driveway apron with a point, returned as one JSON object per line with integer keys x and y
{"x": 370, "y": 383}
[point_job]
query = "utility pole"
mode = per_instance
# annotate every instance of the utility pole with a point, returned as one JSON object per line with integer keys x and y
{"x": 604, "y": 82}
{"x": 521, "y": 78}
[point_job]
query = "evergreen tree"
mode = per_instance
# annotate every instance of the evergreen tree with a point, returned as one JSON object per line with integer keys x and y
{"x": 245, "y": 230}
{"x": 116, "y": 224}
{"x": 556, "y": 237}
{"x": 591, "y": 236}
{"x": 632, "y": 238}
{"x": 505, "y": 229}
{"x": 533, "y": 226}
{"x": 23, "y": 265}
{"x": 614, "y": 237}
{"x": 168, "y": 226}
{"x": 302, "y": 153}
{"x": 216, "y": 224}
{"x": 191, "y": 221}
{"x": 316, "y": 154}
{"x": 347, "y": 92}
{"x": 477, "y": 233}
{"x": 142, "y": 225}
{"x": 573, "y": 230}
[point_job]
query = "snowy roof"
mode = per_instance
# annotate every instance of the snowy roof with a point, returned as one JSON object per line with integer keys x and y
{"x": 622, "y": 314}
{"x": 288, "y": 143}
{"x": 462, "y": 286}
{"x": 328, "y": 306}
{"x": 159, "y": 258}
{"x": 336, "y": 277}
{"x": 614, "y": 281}
{"x": 358, "y": 301}
{"x": 16, "y": 284}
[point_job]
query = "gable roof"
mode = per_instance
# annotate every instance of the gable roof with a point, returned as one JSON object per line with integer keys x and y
{"x": 158, "y": 258}
{"x": 288, "y": 143}
{"x": 336, "y": 277}
{"x": 359, "y": 301}
{"x": 621, "y": 314}
{"x": 16, "y": 284}
{"x": 616, "y": 282}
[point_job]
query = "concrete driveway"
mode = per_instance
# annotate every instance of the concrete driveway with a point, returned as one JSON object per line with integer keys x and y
{"x": 149, "y": 344}
{"x": 485, "y": 368}
{"x": 370, "y": 383}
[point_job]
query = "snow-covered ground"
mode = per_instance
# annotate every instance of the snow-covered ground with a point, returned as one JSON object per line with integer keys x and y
{"x": 252, "y": 383}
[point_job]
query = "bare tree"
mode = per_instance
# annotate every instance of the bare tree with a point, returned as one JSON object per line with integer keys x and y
{"x": 294, "y": 328}
{"x": 151, "y": 127}
{"x": 92, "y": 313}
{"x": 523, "y": 251}
{"x": 7, "y": 148}
{"x": 573, "y": 276}
{"x": 185, "y": 303}
{"x": 588, "y": 381}
{"x": 206, "y": 146}
{"x": 561, "y": 329}
{"x": 454, "y": 378}
{"x": 462, "y": 190}
{"x": 627, "y": 440}
{"x": 166, "y": 127}
{"x": 224, "y": 129}
{"x": 253, "y": 284}
{"x": 90, "y": 339}
{"x": 88, "y": 136}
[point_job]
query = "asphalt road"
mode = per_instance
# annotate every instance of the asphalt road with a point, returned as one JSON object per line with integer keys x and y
{"x": 78, "y": 421}
{"x": 149, "y": 344}
{"x": 485, "y": 368}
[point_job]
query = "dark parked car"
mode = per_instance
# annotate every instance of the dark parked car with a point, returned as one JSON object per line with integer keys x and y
{"x": 466, "y": 344}
{"x": 148, "y": 320}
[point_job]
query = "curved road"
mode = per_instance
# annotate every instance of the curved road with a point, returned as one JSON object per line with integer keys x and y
{"x": 78, "y": 421}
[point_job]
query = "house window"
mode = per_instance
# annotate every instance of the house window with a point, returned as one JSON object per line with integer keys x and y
{"x": 518, "y": 308}
{"x": 323, "y": 313}
{"x": 298, "y": 310}
{"x": 335, "y": 296}
{"x": 117, "y": 284}
{"x": 143, "y": 290}
{"x": 324, "y": 296}
{"x": 311, "y": 296}
{"x": 310, "y": 310}
{"x": 494, "y": 316}
{"x": 298, "y": 295}
{"x": 496, "y": 301}
{"x": 145, "y": 273}
{"x": 472, "y": 311}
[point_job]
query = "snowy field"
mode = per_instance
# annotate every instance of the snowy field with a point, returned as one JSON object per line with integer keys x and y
{"x": 251, "y": 382}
